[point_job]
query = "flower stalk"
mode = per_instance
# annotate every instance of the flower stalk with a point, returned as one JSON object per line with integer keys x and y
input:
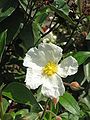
{"x": 45, "y": 108}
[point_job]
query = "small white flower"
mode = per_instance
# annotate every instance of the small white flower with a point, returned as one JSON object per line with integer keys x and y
{"x": 43, "y": 69}
{"x": 49, "y": 37}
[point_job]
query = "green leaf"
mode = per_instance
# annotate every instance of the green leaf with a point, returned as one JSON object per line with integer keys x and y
{"x": 69, "y": 103}
{"x": 5, "y": 105}
{"x": 7, "y": 116}
{"x": 68, "y": 116}
{"x": 20, "y": 113}
{"x": 87, "y": 71}
{"x": 88, "y": 36}
{"x": 85, "y": 103}
{"x": 42, "y": 15}
{"x": 61, "y": 5}
{"x": 81, "y": 56}
{"x": 27, "y": 36}
{"x": 73, "y": 117}
{"x": 7, "y": 7}
{"x": 24, "y": 3}
{"x": 61, "y": 14}
{"x": 13, "y": 28}
{"x": 36, "y": 32}
{"x": 62, "y": 9}
{"x": 19, "y": 93}
{"x": 2, "y": 42}
{"x": 65, "y": 116}
{"x": 31, "y": 116}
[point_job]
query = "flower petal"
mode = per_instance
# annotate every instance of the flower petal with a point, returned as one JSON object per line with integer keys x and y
{"x": 53, "y": 87}
{"x": 52, "y": 52}
{"x": 34, "y": 57}
{"x": 68, "y": 66}
{"x": 33, "y": 78}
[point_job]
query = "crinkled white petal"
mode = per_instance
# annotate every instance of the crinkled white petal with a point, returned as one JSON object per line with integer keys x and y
{"x": 52, "y": 52}
{"x": 53, "y": 87}
{"x": 34, "y": 57}
{"x": 33, "y": 78}
{"x": 68, "y": 66}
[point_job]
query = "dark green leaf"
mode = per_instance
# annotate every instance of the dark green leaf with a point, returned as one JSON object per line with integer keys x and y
{"x": 2, "y": 42}
{"x": 69, "y": 103}
{"x": 81, "y": 56}
{"x": 27, "y": 36}
{"x": 19, "y": 93}
{"x": 61, "y": 14}
{"x": 62, "y": 9}
{"x": 7, "y": 7}
{"x": 13, "y": 28}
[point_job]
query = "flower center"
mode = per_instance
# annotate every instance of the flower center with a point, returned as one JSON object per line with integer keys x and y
{"x": 50, "y": 69}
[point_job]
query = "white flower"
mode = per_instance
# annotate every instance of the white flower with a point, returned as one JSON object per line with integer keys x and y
{"x": 43, "y": 69}
{"x": 49, "y": 38}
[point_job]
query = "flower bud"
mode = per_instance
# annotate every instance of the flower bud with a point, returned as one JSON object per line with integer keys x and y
{"x": 55, "y": 101}
{"x": 75, "y": 86}
{"x": 84, "y": 34}
{"x": 58, "y": 118}
{"x": 44, "y": 28}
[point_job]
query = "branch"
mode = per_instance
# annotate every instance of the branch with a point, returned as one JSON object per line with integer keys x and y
{"x": 46, "y": 33}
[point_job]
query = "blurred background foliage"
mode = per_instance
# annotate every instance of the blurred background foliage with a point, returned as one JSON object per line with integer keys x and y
{"x": 22, "y": 25}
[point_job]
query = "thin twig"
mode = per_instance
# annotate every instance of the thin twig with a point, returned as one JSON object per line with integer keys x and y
{"x": 68, "y": 1}
{"x": 46, "y": 33}
{"x": 66, "y": 84}
{"x": 30, "y": 12}
{"x": 28, "y": 6}
{"x": 52, "y": 21}
{"x": 69, "y": 42}
{"x": 45, "y": 108}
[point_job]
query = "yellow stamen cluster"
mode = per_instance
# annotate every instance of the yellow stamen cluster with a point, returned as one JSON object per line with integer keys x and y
{"x": 50, "y": 69}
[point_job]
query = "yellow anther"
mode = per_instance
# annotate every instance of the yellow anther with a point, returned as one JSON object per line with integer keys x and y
{"x": 50, "y": 69}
